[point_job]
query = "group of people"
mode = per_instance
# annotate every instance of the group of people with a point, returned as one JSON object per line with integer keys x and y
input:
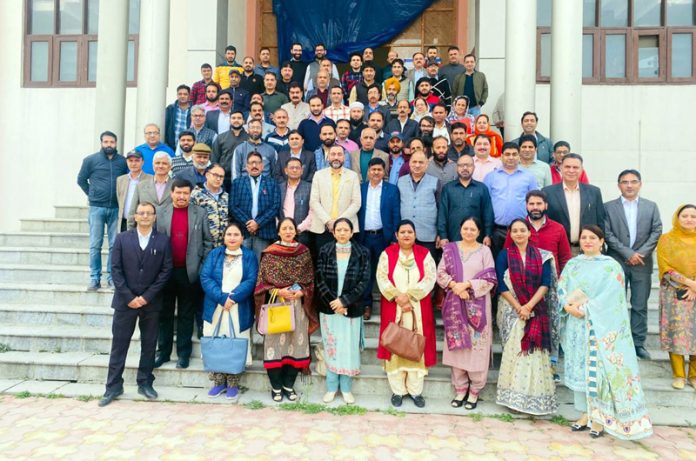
{"x": 279, "y": 199}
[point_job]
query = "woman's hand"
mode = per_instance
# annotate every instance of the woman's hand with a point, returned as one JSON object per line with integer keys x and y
{"x": 574, "y": 310}
{"x": 464, "y": 294}
{"x": 336, "y": 305}
{"x": 402, "y": 299}
{"x": 690, "y": 294}
{"x": 228, "y": 304}
{"x": 286, "y": 293}
{"x": 406, "y": 308}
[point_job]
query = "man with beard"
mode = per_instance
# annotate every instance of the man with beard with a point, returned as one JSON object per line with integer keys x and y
{"x": 211, "y": 97}
{"x": 335, "y": 194}
{"x": 222, "y": 71}
{"x": 240, "y": 96}
{"x": 458, "y": 144}
{"x": 295, "y": 149}
{"x": 299, "y": 68}
{"x": 327, "y": 135}
{"x": 264, "y": 64}
{"x": 219, "y": 120}
{"x": 198, "y": 88}
{"x": 426, "y": 126}
{"x": 253, "y": 144}
{"x": 250, "y": 80}
{"x": 397, "y": 157}
{"x": 424, "y": 90}
{"x": 195, "y": 174}
{"x": 181, "y": 162}
{"x": 226, "y": 143}
{"x": 403, "y": 123}
{"x": 353, "y": 75}
{"x": 440, "y": 87}
{"x": 418, "y": 70}
{"x": 461, "y": 199}
{"x": 440, "y": 125}
{"x": 360, "y": 159}
{"x": 297, "y": 109}
{"x": 483, "y": 161}
{"x": 440, "y": 165}
{"x": 357, "y": 122}
{"x": 285, "y": 78}
{"x": 310, "y": 127}
{"x": 390, "y": 93}
{"x": 359, "y": 91}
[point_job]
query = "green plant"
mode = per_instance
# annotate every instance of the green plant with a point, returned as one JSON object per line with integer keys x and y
{"x": 54, "y": 396}
{"x": 394, "y": 412}
{"x": 560, "y": 420}
{"x": 23, "y": 395}
{"x": 304, "y": 407}
{"x": 5, "y": 348}
{"x": 476, "y": 417}
{"x": 504, "y": 417}
{"x": 86, "y": 398}
{"x": 254, "y": 405}
{"x": 347, "y": 410}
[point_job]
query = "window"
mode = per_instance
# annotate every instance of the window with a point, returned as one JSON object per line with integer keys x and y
{"x": 60, "y": 42}
{"x": 628, "y": 41}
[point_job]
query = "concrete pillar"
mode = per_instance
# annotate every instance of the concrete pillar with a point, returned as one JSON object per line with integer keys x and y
{"x": 112, "y": 64}
{"x": 520, "y": 62}
{"x": 566, "y": 72}
{"x": 206, "y": 44}
{"x": 153, "y": 65}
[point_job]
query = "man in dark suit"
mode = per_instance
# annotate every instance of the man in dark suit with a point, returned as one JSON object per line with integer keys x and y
{"x": 632, "y": 229}
{"x": 574, "y": 204}
{"x": 141, "y": 265}
{"x": 294, "y": 200}
{"x": 187, "y": 227}
{"x": 378, "y": 216}
{"x": 295, "y": 149}
{"x": 407, "y": 127}
{"x": 219, "y": 120}
{"x": 254, "y": 202}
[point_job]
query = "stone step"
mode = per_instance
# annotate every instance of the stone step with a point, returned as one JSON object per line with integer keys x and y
{"x": 50, "y": 294}
{"x": 46, "y": 239}
{"x": 48, "y": 256}
{"x": 71, "y": 212}
{"x": 55, "y": 225}
{"x": 52, "y": 274}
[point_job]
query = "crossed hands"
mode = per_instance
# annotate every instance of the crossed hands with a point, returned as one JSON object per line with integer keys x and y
{"x": 137, "y": 302}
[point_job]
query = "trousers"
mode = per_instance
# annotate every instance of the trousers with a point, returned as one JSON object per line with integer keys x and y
{"x": 678, "y": 369}
{"x": 403, "y": 382}
{"x": 334, "y": 382}
{"x": 284, "y": 376}
{"x": 471, "y": 381}
{"x": 185, "y": 296}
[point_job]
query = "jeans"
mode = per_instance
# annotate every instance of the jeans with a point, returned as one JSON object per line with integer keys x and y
{"x": 334, "y": 381}
{"x": 97, "y": 218}
{"x": 475, "y": 111}
{"x": 256, "y": 244}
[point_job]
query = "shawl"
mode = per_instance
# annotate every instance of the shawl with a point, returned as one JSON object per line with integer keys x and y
{"x": 281, "y": 266}
{"x": 496, "y": 141}
{"x": 676, "y": 250}
{"x": 526, "y": 279}
{"x": 459, "y": 314}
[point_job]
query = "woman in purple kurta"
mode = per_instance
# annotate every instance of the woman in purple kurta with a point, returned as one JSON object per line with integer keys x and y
{"x": 466, "y": 273}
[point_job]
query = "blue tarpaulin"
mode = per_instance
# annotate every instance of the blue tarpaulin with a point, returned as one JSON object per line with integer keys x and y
{"x": 344, "y": 26}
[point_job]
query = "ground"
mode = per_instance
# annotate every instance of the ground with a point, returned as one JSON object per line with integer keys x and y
{"x": 40, "y": 428}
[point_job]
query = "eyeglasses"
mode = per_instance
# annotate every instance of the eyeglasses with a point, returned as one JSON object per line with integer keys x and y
{"x": 217, "y": 176}
{"x": 145, "y": 213}
{"x": 151, "y": 133}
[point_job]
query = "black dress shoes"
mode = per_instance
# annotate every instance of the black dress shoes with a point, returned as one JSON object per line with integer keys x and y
{"x": 160, "y": 360}
{"x": 418, "y": 400}
{"x": 642, "y": 353}
{"x": 397, "y": 400}
{"x": 183, "y": 362}
{"x": 109, "y": 396}
{"x": 148, "y": 391}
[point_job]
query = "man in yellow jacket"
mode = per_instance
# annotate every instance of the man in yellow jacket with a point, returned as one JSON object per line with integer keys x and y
{"x": 221, "y": 76}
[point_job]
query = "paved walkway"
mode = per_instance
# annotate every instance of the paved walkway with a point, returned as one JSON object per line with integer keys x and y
{"x": 50, "y": 429}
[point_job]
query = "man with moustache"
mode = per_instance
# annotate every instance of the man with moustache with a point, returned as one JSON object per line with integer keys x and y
{"x": 297, "y": 109}
{"x": 295, "y": 149}
{"x": 218, "y": 120}
{"x": 185, "y": 160}
{"x": 215, "y": 201}
{"x": 177, "y": 116}
{"x": 327, "y": 135}
{"x": 311, "y": 126}
{"x": 407, "y": 127}
{"x": 484, "y": 163}
{"x": 127, "y": 184}
{"x": 200, "y": 131}
{"x": 250, "y": 80}
{"x": 376, "y": 121}
{"x": 154, "y": 189}
{"x": 359, "y": 91}
{"x": 458, "y": 145}
{"x": 278, "y": 138}
{"x": 285, "y": 79}
{"x": 530, "y": 162}
{"x": 264, "y": 64}
{"x": 397, "y": 158}
{"x": 314, "y": 67}
{"x": 560, "y": 150}
{"x": 225, "y": 144}
{"x": 440, "y": 165}
{"x": 299, "y": 68}
{"x": 195, "y": 174}
{"x": 357, "y": 122}
{"x": 253, "y": 144}
{"x": 198, "y": 88}
{"x": 272, "y": 99}
{"x": 359, "y": 159}
{"x": 212, "y": 91}
{"x": 240, "y": 96}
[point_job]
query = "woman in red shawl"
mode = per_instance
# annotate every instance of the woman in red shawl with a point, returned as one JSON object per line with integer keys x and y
{"x": 284, "y": 265}
{"x": 406, "y": 276}
{"x": 483, "y": 126}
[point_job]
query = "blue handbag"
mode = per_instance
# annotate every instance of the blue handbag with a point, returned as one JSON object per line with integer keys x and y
{"x": 222, "y": 354}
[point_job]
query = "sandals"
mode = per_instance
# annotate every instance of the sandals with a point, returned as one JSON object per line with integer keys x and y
{"x": 457, "y": 403}
{"x": 597, "y": 431}
{"x": 469, "y": 405}
{"x": 577, "y": 427}
{"x": 289, "y": 394}
{"x": 277, "y": 396}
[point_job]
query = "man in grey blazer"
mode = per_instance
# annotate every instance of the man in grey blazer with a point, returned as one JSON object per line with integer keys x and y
{"x": 632, "y": 228}
{"x": 186, "y": 225}
{"x": 154, "y": 189}
{"x": 127, "y": 184}
{"x": 294, "y": 200}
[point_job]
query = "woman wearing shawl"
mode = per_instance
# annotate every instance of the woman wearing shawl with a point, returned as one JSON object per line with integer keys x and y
{"x": 460, "y": 113}
{"x": 526, "y": 279}
{"x": 284, "y": 264}
{"x": 467, "y": 273}
{"x": 676, "y": 260}
{"x": 420, "y": 109}
{"x": 406, "y": 276}
{"x": 483, "y": 126}
{"x": 600, "y": 360}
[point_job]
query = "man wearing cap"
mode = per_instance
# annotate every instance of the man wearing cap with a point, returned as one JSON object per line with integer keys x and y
{"x": 195, "y": 174}
{"x": 397, "y": 158}
{"x": 126, "y": 185}
{"x": 240, "y": 96}
{"x": 440, "y": 86}
{"x": 357, "y": 122}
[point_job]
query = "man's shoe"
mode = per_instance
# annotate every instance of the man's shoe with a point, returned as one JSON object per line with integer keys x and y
{"x": 183, "y": 362}
{"x": 199, "y": 331}
{"x": 160, "y": 360}
{"x": 148, "y": 391}
{"x": 419, "y": 401}
{"x": 94, "y": 285}
{"x": 109, "y": 396}
{"x": 642, "y": 353}
{"x": 397, "y": 400}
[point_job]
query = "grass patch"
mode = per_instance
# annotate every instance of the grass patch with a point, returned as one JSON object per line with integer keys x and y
{"x": 54, "y": 396}
{"x": 560, "y": 420}
{"x": 394, "y": 412}
{"x": 304, "y": 407}
{"x": 504, "y": 417}
{"x": 347, "y": 410}
{"x": 476, "y": 417}
{"x": 254, "y": 405}
{"x": 86, "y": 398}
{"x": 5, "y": 348}
{"x": 23, "y": 395}
{"x": 690, "y": 425}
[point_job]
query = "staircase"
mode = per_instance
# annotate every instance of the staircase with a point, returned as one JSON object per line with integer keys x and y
{"x": 53, "y": 330}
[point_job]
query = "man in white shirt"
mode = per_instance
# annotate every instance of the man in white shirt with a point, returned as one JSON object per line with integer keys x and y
{"x": 297, "y": 109}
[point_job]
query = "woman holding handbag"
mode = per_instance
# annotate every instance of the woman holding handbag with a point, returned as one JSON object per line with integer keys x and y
{"x": 343, "y": 271}
{"x": 228, "y": 278}
{"x": 406, "y": 276}
{"x": 286, "y": 270}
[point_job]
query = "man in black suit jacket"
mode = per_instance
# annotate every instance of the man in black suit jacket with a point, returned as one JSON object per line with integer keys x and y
{"x": 141, "y": 265}
{"x": 574, "y": 204}
{"x": 402, "y": 123}
{"x": 301, "y": 191}
{"x": 295, "y": 147}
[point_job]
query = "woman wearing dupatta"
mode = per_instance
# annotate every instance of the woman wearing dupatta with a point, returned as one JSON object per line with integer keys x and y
{"x": 460, "y": 113}
{"x": 676, "y": 260}
{"x": 406, "y": 276}
{"x": 600, "y": 360}
{"x": 284, "y": 264}
{"x": 526, "y": 278}
{"x": 467, "y": 273}
{"x": 483, "y": 126}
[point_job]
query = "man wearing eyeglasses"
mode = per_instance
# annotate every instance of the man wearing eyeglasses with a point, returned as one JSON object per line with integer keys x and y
{"x": 153, "y": 144}
{"x": 214, "y": 200}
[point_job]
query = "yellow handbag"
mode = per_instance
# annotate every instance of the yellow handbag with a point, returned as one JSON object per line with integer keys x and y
{"x": 276, "y": 317}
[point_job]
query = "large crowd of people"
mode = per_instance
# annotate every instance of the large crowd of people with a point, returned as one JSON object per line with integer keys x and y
{"x": 297, "y": 183}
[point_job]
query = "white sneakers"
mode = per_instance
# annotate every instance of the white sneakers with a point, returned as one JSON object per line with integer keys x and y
{"x": 329, "y": 397}
{"x": 347, "y": 397}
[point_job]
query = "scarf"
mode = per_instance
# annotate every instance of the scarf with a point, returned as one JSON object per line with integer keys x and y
{"x": 526, "y": 279}
{"x": 676, "y": 250}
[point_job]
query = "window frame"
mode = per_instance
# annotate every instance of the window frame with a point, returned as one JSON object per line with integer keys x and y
{"x": 668, "y": 58}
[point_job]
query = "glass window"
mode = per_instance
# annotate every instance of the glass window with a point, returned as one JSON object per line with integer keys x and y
{"x": 70, "y": 17}
{"x": 648, "y": 56}
{"x": 42, "y": 17}
{"x": 682, "y": 55}
{"x": 133, "y": 17}
{"x": 614, "y": 13}
{"x": 681, "y": 13}
{"x": 546, "y": 55}
{"x": 93, "y": 17}
{"x": 130, "y": 73}
{"x": 543, "y": 13}
{"x": 68, "y": 62}
{"x": 39, "y": 61}
{"x": 587, "y": 55}
{"x": 615, "y": 56}
{"x": 589, "y": 9}
{"x": 92, "y": 61}
{"x": 646, "y": 13}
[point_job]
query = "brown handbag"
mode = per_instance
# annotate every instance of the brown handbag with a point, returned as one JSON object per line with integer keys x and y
{"x": 402, "y": 341}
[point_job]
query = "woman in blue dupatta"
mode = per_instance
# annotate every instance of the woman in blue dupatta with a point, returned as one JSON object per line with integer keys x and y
{"x": 600, "y": 360}
{"x": 526, "y": 283}
{"x": 467, "y": 274}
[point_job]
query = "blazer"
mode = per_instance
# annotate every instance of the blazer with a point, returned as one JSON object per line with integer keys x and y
{"x": 268, "y": 205}
{"x": 355, "y": 161}
{"x": 200, "y": 241}
{"x": 354, "y": 284}
{"x": 211, "y": 119}
{"x": 410, "y": 128}
{"x": 321, "y": 199}
{"x": 309, "y": 165}
{"x": 591, "y": 206}
{"x": 389, "y": 211}
{"x": 122, "y": 183}
{"x": 242, "y": 294}
{"x": 145, "y": 192}
{"x": 170, "y": 120}
{"x": 648, "y": 231}
{"x": 138, "y": 272}
{"x": 302, "y": 195}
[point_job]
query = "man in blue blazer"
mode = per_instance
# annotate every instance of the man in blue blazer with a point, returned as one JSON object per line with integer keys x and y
{"x": 254, "y": 202}
{"x": 141, "y": 265}
{"x": 379, "y": 215}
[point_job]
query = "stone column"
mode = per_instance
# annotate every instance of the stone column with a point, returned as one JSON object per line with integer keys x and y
{"x": 566, "y": 72}
{"x": 520, "y": 62}
{"x": 112, "y": 64}
{"x": 153, "y": 65}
